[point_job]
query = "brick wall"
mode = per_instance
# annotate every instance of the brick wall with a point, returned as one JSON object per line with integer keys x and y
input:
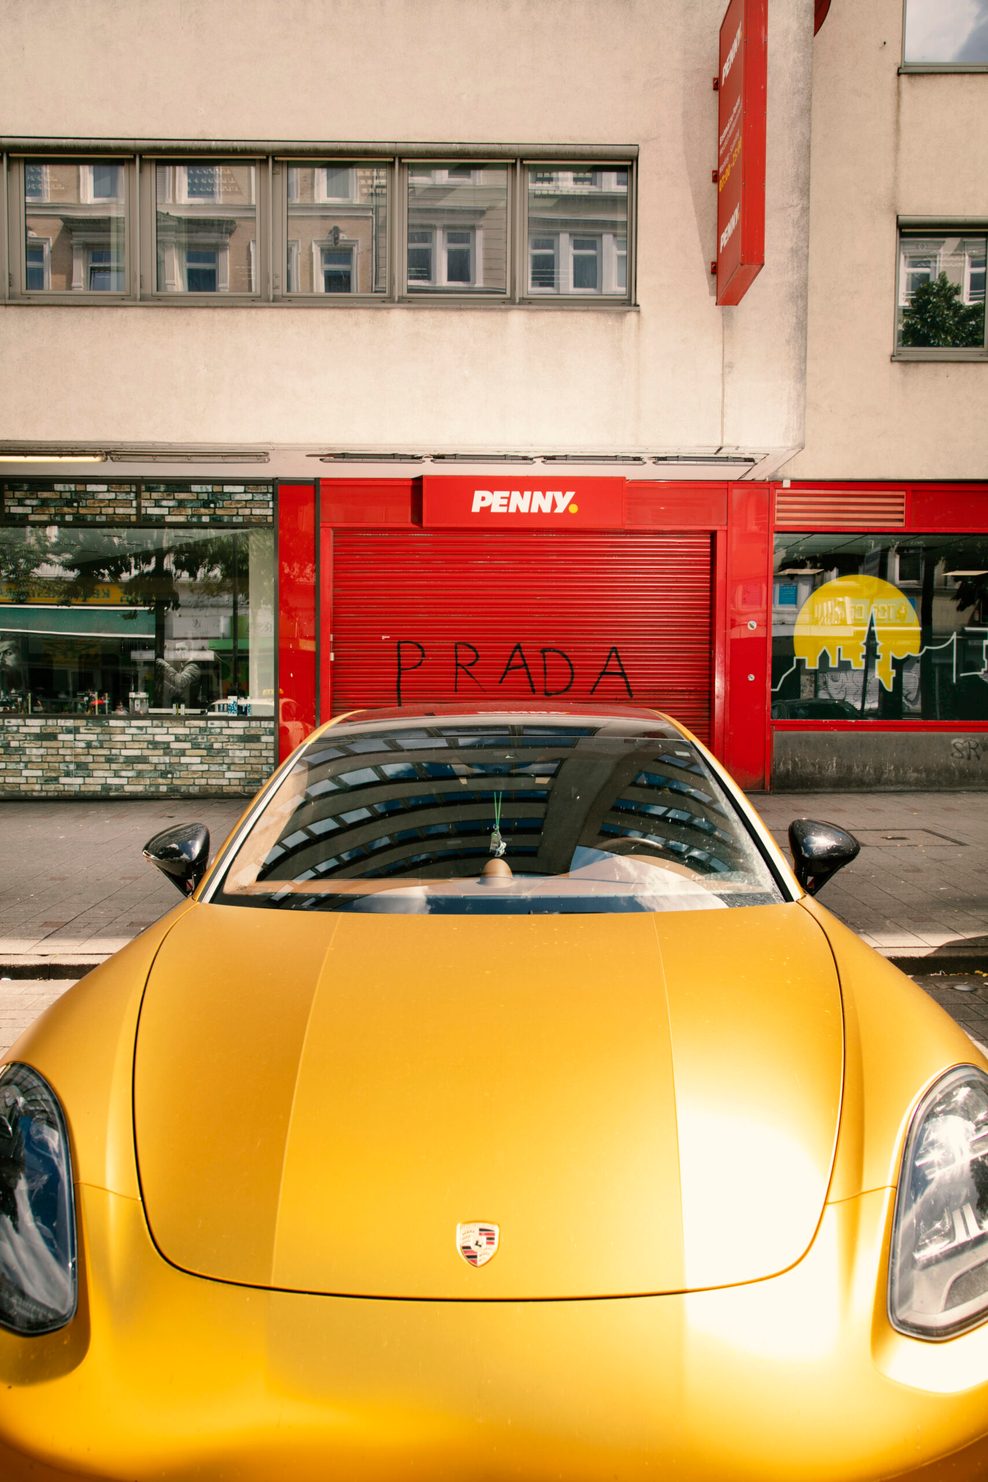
{"x": 140, "y": 502}
{"x": 126, "y": 756}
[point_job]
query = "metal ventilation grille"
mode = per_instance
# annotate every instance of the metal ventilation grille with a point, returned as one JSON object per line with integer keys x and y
{"x": 860, "y": 509}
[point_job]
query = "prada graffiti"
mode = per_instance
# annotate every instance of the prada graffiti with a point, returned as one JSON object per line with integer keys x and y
{"x": 545, "y": 671}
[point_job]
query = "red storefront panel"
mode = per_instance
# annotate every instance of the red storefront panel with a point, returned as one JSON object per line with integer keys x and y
{"x": 444, "y": 616}
{"x": 296, "y": 614}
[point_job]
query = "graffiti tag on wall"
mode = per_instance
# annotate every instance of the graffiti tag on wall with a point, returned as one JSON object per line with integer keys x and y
{"x": 548, "y": 671}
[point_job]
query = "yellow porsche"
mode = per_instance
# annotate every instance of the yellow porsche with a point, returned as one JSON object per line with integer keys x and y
{"x": 499, "y": 1105}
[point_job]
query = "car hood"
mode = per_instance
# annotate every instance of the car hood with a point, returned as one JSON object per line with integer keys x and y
{"x": 639, "y": 1103}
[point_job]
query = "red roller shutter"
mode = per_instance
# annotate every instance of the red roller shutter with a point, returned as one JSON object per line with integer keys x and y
{"x": 445, "y": 617}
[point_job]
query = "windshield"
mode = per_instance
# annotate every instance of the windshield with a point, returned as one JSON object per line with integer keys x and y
{"x": 511, "y": 816}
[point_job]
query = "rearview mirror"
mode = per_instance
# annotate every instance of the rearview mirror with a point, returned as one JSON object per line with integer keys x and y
{"x": 819, "y": 850}
{"x": 181, "y": 853}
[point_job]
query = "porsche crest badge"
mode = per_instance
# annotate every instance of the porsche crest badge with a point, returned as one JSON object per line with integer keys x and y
{"x": 477, "y": 1243}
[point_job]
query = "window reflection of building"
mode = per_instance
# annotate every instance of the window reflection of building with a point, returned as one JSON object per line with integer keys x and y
{"x": 200, "y": 221}
{"x": 337, "y": 228}
{"x": 457, "y": 228}
{"x": 75, "y": 226}
{"x": 205, "y": 227}
{"x": 577, "y": 231}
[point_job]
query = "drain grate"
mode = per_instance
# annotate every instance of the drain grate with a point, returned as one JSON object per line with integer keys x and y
{"x": 884, "y": 837}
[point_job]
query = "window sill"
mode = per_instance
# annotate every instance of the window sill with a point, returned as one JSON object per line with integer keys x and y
{"x": 939, "y": 356}
{"x": 939, "y": 69}
{"x": 334, "y": 302}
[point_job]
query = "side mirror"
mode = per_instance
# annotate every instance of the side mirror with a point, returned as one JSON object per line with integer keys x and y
{"x": 181, "y": 853}
{"x": 819, "y": 850}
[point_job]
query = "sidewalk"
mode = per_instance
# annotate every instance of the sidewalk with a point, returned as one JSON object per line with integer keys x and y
{"x": 74, "y": 886}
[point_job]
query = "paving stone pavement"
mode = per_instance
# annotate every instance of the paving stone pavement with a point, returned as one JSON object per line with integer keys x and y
{"x": 74, "y": 886}
{"x": 919, "y": 887}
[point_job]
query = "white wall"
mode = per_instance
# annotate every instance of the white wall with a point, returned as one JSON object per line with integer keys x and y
{"x": 885, "y": 146}
{"x": 677, "y": 373}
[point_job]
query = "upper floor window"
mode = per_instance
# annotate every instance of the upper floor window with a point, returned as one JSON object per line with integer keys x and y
{"x": 73, "y": 218}
{"x": 941, "y": 300}
{"x": 205, "y": 227}
{"x": 337, "y": 224}
{"x": 217, "y": 228}
{"x": 577, "y": 231}
{"x": 457, "y": 228}
{"x": 946, "y": 35}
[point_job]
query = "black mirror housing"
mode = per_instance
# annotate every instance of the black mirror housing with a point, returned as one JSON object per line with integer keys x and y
{"x": 181, "y": 853}
{"x": 819, "y": 850}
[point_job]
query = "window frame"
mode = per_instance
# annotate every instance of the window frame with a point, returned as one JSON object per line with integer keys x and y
{"x": 273, "y": 247}
{"x": 439, "y": 172}
{"x": 258, "y": 255}
{"x": 287, "y": 247}
{"x": 918, "y": 229}
{"x": 19, "y": 208}
{"x": 603, "y": 182}
{"x": 933, "y": 67}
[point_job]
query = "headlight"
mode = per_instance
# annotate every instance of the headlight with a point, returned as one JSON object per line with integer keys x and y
{"x": 938, "y": 1277}
{"x": 37, "y": 1220}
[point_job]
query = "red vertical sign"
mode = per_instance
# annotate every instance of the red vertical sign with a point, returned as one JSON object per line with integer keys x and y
{"x": 742, "y": 86}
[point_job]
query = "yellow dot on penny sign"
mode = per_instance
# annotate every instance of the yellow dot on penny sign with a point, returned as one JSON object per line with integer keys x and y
{"x": 574, "y": 509}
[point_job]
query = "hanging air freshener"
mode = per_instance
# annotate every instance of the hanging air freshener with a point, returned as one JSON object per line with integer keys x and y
{"x": 498, "y": 847}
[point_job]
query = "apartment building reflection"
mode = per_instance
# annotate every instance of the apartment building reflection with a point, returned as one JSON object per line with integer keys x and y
{"x": 75, "y": 224}
{"x": 337, "y": 228}
{"x": 206, "y": 227}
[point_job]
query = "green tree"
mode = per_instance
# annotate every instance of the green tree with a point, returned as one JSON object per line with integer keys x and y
{"x": 935, "y": 316}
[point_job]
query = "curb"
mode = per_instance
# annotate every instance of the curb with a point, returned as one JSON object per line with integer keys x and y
{"x": 936, "y": 960}
{"x": 42, "y": 968}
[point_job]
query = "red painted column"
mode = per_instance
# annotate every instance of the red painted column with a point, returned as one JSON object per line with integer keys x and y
{"x": 297, "y": 714}
{"x": 746, "y": 750}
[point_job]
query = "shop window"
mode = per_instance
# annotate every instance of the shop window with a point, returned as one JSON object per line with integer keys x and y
{"x": 205, "y": 227}
{"x": 880, "y": 627}
{"x": 945, "y": 36}
{"x": 337, "y": 229}
{"x": 75, "y": 226}
{"x": 106, "y": 621}
{"x": 577, "y": 231}
{"x": 457, "y": 229}
{"x": 941, "y": 300}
